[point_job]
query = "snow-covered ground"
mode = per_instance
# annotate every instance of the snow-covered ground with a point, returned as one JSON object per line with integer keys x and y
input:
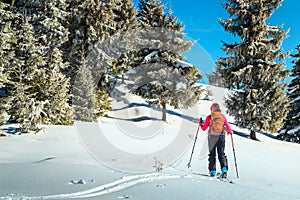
{"x": 117, "y": 158}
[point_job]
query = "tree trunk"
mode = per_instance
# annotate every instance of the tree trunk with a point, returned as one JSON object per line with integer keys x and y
{"x": 123, "y": 78}
{"x": 164, "y": 110}
{"x": 253, "y": 135}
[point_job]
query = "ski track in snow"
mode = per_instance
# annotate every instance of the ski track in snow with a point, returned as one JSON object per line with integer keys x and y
{"x": 120, "y": 184}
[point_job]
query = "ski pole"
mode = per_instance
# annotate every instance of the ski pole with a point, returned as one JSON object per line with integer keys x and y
{"x": 189, "y": 164}
{"x": 237, "y": 174}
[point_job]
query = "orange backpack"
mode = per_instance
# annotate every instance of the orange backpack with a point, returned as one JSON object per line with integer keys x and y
{"x": 216, "y": 122}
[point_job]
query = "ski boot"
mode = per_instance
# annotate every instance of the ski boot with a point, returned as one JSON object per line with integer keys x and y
{"x": 213, "y": 172}
{"x": 224, "y": 172}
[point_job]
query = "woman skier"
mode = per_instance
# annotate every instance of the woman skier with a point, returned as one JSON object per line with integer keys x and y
{"x": 216, "y": 139}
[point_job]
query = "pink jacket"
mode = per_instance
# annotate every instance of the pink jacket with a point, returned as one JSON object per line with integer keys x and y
{"x": 207, "y": 123}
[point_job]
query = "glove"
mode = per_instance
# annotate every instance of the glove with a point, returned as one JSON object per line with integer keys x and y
{"x": 228, "y": 133}
{"x": 201, "y": 121}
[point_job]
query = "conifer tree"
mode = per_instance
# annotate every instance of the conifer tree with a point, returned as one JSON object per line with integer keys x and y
{"x": 102, "y": 103}
{"x": 6, "y": 35}
{"x": 56, "y": 91}
{"x": 38, "y": 92}
{"x": 125, "y": 15}
{"x": 161, "y": 76}
{"x": 291, "y": 128}
{"x": 84, "y": 94}
{"x": 25, "y": 78}
{"x": 125, "y": 18}
{"x": 47, "y": 19}
{"x": 90, "y": 22}
{"x": 151, "y": 13}
{"x": 254, "y": 66}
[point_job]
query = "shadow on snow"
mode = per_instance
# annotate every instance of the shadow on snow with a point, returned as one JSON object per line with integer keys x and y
{"x": 143, "y": 118}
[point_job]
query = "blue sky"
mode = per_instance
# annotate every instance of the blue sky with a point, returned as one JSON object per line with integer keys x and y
{"x": 201, "y": 24}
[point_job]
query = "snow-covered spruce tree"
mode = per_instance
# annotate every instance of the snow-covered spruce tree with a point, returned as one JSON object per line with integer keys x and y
{"x": 26, "y": 79}
{"x": 102, "y": 103}
{"x": 291, "y": 128}
{"x": 56, "y": 92}
{"x": 33, "y": 90}
{"x": 125, "y": 18}
{"x": 254, "y": 68}
{"x": 84, "y": 90}
{"x": 48, "y": 18}
{"x": 160, "y": 75}
{"x": 90, "y": 22}
{"x": 48, "y": 21}
{"x": 99, "y": 81}
{"x": 160, "y": 84}
{"x": 6, "y": 35}
{"x": 151, "y": 13}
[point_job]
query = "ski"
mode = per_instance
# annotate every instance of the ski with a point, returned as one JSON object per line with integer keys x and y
{"x": 218, "y": 176}
{"x": 225, "y": 179}
{"x": 204, "y": 176}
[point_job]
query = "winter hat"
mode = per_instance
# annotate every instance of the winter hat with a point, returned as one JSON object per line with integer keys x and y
{"x": 214, "y": 107}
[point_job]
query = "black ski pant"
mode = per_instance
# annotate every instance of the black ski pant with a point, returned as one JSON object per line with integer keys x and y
{"x": 216, "y": 143}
